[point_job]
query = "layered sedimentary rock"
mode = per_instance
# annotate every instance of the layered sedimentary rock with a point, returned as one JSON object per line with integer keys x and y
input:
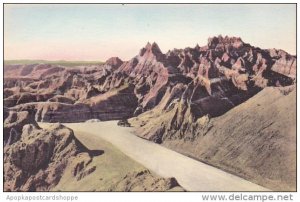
{"x": 255, "y": 140}
{"x": 119, "y": 103}
{"x": 40, "y": 158}
{"x": 13, "y": 125}
{"x": 180, "y": 99}
{"x": 284, "y": 63}
{"x": 191, "y": 117}
{"x": 37, "y": 159}
{"x": 145, "y": 181}
{"x": 214, "y": 78}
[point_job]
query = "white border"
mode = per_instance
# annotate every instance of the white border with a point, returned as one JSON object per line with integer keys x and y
{"x": 132, "y": 197}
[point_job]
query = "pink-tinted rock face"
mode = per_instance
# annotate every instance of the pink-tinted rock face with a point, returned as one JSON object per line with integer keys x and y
{"x": 13, "y": 125}
{"x": 117, "y": 104}
{"x": 114, "y": 62}
{"x": 173, "y": 96}
{"x": 37, "y": 158}
{"x": 217, "y": 77}
{"x": 284, "y": 63}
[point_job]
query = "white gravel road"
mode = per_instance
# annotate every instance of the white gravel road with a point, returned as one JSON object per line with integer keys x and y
{"x": 191, "y": 174}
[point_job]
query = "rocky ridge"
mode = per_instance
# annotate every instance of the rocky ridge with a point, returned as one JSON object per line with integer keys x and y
{"x": 225, "y": 72}
{"x": 173, "y": 98}
{"x": 260, "y": 146}
{"x": 35, "y": 158}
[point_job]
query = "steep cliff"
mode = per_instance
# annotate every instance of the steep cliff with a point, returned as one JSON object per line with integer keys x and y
{"x": 37, "y": 159}
{"x": 255, "y": 140}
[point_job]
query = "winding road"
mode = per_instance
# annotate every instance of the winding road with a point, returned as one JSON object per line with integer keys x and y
{"x": 192, "y": 175}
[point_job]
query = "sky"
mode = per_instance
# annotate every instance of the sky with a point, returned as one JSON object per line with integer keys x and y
{"x": 98, "y": 32}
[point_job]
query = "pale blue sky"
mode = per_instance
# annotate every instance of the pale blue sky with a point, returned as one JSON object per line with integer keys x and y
{"x": 96, "y": 32}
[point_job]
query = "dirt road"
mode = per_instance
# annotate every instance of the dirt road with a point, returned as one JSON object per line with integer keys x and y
{"x": 191, "y": 174}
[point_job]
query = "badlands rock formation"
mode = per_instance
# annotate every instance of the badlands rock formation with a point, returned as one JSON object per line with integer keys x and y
{"x": 211, "y": 80}
{"x": 175, "y": 97}
{"x": 35, "y": 159}
{"x": 145, "y": 181}
{"x": 255, "y": 140}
